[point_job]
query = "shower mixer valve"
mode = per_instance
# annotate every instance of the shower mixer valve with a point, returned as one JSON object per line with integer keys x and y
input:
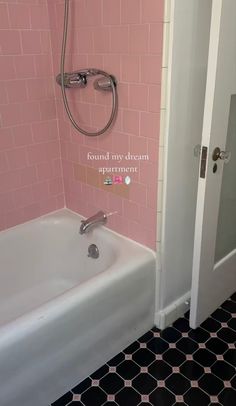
{"x": 79, "y": 79}
{"x": 73, "y": 79}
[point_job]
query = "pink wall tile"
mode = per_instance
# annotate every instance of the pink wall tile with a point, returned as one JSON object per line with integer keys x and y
{"x": 127, "y": 40}
{"x": 123, "y": 37}
{"x": 130, "y": 68}
{"x": 19, "y": 16}
{"x": 138, "y": 97}
{"x": 7, "y": 68}
{"x": 10, "y": 42}
{"x": 3, "y": 93}
{"x": 130, "y": 11}
{"x": 156, "y": 33}
{"x": 17, "y": 91}
{"x": 152, "y": 10}
{"x": 24, "y": 66}
{"x": 119, "y": 39}
{"x": 151, "y": 69}
{"x": 111, "y": 12}
{"x": 139, "y": 39}
{"x": 131, "y": 121}
{"x": 149, "y": 124}
{"x": 27, "y": 125}
{"x": 4, "y": 20}
{"x": 31, "y": 42}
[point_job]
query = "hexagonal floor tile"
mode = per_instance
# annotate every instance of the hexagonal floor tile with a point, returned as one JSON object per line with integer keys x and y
{"x": 182, "y": 325}
{"x": 230, "y": 306}
{"x": 160, "y": 370}
{"x": 143, "y": 357}
{"x": 171, "y": 335}
{"x": 176, "y": 367}
{"x": 83, "y": 386}
{"x": 93, "y": 396}
{"x": 111, "y": 383}
{"x": 128, "y": 369}
{"x": 157, "y": 345}
{"x": 211, "y": 325}
{"x": 204, "y": 357}
{"x": 187, "y": 345}
{"x": 162, "y": 396}
{"x": 216, "y": 345}
{"x": 228, "y": 397}
{"x": 128, "y": 396}
{"x": 211, "y": 384}
{"x": 177, "y": 384}
{"x": 144, "y": 383}
{"x": 232, "y": 324}
{"x": 221, "y": 315}
{"x": 174, "y": 357}
{"x": 192, "y": 370}
{"x": 227, "y": 335}
{"x": 196, "y": 397}
{"x": 230, "y": 356}
{"x": 199, "y": 335}
{"x": 223, "y": 370}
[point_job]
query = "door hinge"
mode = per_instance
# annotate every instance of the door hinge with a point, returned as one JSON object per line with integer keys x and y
{"x": 203, "y": 162}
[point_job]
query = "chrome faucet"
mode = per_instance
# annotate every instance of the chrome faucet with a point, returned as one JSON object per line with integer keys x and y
{"x": 98, "y": 218}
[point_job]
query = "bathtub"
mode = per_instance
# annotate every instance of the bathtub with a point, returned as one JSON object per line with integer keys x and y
{"x": 62, "y": 313}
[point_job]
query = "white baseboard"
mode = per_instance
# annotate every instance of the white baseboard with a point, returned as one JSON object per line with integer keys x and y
{"x": 167, "y": 316}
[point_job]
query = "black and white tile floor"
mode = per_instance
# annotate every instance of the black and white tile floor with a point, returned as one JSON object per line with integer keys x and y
{"x": 178, "y": 366}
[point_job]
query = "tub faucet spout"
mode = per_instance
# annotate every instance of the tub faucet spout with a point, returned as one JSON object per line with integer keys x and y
{"x": 98, "y": 218}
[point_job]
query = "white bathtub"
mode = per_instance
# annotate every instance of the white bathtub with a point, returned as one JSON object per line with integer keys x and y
{"x": 63, "y": 314}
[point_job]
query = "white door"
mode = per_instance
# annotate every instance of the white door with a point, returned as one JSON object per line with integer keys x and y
{"x": 214, "y": 259}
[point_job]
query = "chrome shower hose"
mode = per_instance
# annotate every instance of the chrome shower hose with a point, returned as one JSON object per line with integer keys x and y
{"x": 92, "y": 72}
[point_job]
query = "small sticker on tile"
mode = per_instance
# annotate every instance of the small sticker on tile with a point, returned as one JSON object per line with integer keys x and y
{"x": 172, "y": 345}
{"x": 156, "y": 334}
{"x": 143, "y": 345}
{"x": 214, "y": 399}
{"x": 213, "y": 335}
{"x": 224, "y": 325}
{"x": 179, "y": 399}
{"x": 112, "y": 369}
{"x": 158, "y": 357}
{"x": 184, "y": 334}
{"x": 207, "y": 370}
{"x": 231, "y": 346}
{"x": 111, "y": 398}
{"x": 76, "y": 398}
{"x": 128, "y": 357}
{"x": 161, "y": 384}
{"x": 128, "y": 383}
{"x": 144, "y": 370}
{"x": 145, "y": 398}
{"x": 194, "y": 384}
{"x": 227, "y": 384}
{"x": 175, "y": 370}
{"x": 189, "y": 357}
{"x": 202, "y": 345}
{"x": 95, "y": 382}
{"x": 220, "y": 357}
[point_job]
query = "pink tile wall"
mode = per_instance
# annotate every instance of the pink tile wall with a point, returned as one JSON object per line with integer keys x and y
{"x": 30, "y": 167}
{"x": 123, "y": 37}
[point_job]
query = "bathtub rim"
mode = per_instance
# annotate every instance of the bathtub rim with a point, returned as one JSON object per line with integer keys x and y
{"x": 35, "y": 319}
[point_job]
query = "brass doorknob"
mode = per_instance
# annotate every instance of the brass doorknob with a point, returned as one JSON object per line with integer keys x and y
{"x": 223, "y": 155}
